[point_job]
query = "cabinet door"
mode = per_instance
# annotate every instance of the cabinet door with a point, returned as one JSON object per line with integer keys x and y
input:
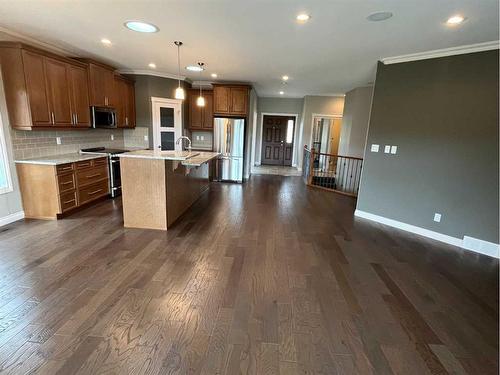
{"x": 56, "y": 73}
{"x": 118, "y": 100}
{"x": 34, "y": 74}
{"x": 208, "y": 112}
{"x": 221, "y": 99}
{"x": 78, "y": 85}
{"x": 101, "y": 85}
{"x": 239, "y": 99}
{"x": 195, "y": 112}
{"x": 130, "y": 104}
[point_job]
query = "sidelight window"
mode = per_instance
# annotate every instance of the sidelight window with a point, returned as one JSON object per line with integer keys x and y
{"x": 289, "y": 131}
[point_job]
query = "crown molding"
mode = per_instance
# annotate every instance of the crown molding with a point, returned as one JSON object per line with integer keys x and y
{"x": 145, "y": 72}
{"x": 38, "y": 43}
{"x": 460, "y": 50}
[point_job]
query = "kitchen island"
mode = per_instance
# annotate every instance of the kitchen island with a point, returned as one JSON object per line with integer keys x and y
{"x": 159, "y": 186}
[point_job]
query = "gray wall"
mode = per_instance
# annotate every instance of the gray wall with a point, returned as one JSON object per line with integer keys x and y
{"x": 147, "y": 86}
{"x": 277, "y": 105}
{"x": 355, "y": 122}
{"x": 443, "y": 116}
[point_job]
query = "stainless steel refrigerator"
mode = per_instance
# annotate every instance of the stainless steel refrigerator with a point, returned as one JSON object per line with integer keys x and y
{"x": 229, "y": 137}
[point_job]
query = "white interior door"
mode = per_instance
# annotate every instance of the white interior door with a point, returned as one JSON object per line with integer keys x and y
{"x": 167, "y": 123}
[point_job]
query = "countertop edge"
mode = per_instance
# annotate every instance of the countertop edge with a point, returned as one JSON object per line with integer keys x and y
{"x": 56, "y": 162}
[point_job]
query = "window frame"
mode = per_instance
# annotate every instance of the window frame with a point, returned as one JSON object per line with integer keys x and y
{"x": 5, "y": 156}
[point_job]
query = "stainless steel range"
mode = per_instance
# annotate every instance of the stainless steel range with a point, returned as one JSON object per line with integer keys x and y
{"x": 115, "y": 184}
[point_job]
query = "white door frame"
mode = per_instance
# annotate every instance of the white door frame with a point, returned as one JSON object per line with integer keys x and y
{"x": 323, "y": 116}
{"x": 254, "y": 138}
{"x": 176, "y": 104}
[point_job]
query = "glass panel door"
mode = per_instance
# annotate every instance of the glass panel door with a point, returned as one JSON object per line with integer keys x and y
{"x": 167, "y": 123}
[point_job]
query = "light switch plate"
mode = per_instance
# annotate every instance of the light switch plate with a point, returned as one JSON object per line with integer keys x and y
{"x": 374, "y": 148}
{"x": 146, "y": 138}
{"x": 437, "y": 217}
{"x": 387, "y": 149}
{"x": 58, "y": 140}
{"x": 112, "y": 137}
{"x": 394, "y": 149}
{"x": 202, "y": 137}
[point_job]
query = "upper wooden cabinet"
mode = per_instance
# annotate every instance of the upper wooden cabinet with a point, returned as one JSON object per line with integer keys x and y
{"x": 200, "y": 118}
{"x": 43, "y": 90}
{"x": 124, "y": 101}
{"x": 102, "y": 84}
{"x": 231, "y": 100}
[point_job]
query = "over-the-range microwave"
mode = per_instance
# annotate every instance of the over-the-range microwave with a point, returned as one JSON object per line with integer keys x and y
{"x": 103, "y": 117}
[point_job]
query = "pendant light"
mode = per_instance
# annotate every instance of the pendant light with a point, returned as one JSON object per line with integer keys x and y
{"x": 179, "y": 91}
{"x": 200, "y": 102}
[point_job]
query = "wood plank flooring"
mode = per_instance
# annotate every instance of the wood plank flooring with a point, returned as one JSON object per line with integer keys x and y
{"x": 268, "y": 277}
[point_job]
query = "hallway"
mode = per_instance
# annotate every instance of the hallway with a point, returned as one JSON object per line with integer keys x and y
{"x": 266, "y": 277}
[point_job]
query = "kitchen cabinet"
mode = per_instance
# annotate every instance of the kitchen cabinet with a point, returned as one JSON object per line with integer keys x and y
{"x": 43, "y": 90}
{"x": 49, "y": 191}
{"x": 124, "y": 101}
{"x": 200, "y": 118}
{"x": 101, "y": 79}
{"x": 230, "y": 100}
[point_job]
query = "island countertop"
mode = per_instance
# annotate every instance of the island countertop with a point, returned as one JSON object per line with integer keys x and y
{"x": 187, "y": 158}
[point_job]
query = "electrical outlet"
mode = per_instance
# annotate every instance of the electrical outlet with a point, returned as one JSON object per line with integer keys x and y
{"x": 197, "y": 137}
{"x": 387, "y": 149}
{"x": 202, "y": 137}
{"x": 146, "y": 138}
{"x": 394, "y": 149}
{"x": 437, "y": 217}
{"x": 58, "y": 140}
{"x": 374, "y": 148}
{"x": 112, "y": 137}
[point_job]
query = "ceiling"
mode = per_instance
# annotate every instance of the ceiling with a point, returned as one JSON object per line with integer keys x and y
{"x": 255, "y": 41}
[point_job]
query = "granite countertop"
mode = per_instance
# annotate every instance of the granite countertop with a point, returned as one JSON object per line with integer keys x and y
{"x": 188, "y": 158}
{"x": 59, "y": 159}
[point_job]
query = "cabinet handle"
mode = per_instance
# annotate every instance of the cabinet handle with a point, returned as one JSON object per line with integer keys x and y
{"x": 71, "y": 200}
{"x": 95, "y": 192}
{"x": 126, "y": 121}
{"x": 52, "y": 117}
{"x": 66, "y": 183}
{"x": 93, "y": 175}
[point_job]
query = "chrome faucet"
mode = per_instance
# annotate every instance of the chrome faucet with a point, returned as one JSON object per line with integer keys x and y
{"x": 180, "y": 141}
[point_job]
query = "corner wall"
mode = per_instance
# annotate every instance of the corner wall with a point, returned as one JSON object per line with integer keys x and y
{"x": 442, "y": 114}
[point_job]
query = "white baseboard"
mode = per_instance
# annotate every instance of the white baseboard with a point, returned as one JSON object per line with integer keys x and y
{"x": 11, "y": 218}
{"x": 469, "y": 243}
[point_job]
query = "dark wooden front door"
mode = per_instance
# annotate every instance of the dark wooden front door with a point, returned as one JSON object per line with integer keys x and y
{"x": 276, "y": 148}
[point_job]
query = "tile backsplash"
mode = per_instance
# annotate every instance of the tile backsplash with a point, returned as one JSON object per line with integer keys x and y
{"x": 29, "y": 144}
{"x": 198, "y": 142}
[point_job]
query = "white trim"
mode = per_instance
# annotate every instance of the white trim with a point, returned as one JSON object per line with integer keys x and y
{"x": 254, "y": 140}
{"x": 481, "y": 246}
{"x": 468, "y": 243}
{"x": 11, "y": 218}
{"x": 460, "y": 50}
{"x": 334, "y": 116}
{"x": 5, "y": 156}
{"x": 146, "y": 72}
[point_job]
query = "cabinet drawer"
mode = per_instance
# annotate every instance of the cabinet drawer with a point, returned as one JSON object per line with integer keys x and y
{"x": 91, "y": 175}
{"x": 99, "y": 162}
{"x": 83, "y": 164}
{"x": 66, "y": 182}
{"x": 64, "y": 168}
{"x": 68, "y": 201}
{"x": 94, "y": 191}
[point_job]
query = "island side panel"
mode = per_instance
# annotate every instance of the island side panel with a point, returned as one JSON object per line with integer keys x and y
{"x": 184, "y": 186}
{"x": 143, "y": 193}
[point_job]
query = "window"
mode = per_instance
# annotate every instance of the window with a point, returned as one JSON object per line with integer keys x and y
{"x": 289, "y": 131}
{"x": 5, "y": 180}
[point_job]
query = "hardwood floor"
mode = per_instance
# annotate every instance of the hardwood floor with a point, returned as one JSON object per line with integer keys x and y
{"x": 267, "y": 277}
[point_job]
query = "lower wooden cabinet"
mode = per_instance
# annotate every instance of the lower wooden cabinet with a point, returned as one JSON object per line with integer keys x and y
{"x": 49, "y": 191}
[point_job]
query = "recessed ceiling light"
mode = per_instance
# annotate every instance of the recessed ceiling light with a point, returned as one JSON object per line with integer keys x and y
{"x": 152, "y": 65}
{"x": 285, "y": 78}
{"x": 379, "y": 16}
{"x": 194, "y": 68}
{"x": 214, "y": 75}
{"x": 455, "y": 20}
{"x": 282, "y": 92}
{"x": 141, "y": 27}
{"x": 106, "y": 41}
{"x": 303, "y": 17}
